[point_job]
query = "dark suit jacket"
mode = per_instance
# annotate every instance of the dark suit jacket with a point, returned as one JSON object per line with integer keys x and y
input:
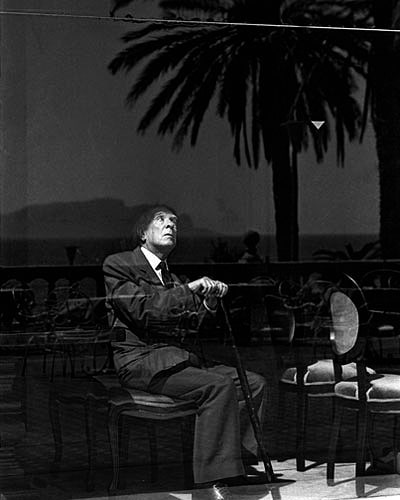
{"x": 149, "y": 312}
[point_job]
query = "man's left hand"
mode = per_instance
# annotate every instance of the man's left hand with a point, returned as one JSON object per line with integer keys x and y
{"x": 219, "y": 289}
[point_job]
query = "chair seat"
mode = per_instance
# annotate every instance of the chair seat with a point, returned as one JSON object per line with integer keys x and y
{"x": 136, "y": 401}
{"x": 384, "y": 388}
{"x": 142, "y": 400}
{"x": 107, "y": 389}
{"x": 78, "y": 389}
{"x": 320, "y": 373}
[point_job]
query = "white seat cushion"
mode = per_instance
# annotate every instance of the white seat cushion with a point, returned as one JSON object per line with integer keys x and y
{"x": 384, "y": 388}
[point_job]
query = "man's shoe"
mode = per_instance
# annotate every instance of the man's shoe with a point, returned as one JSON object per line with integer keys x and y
{"x": 251, "y": 470}
{"x": 221, "y": 486}
{"x": 221, "y": 491}
{"x": 251, "y": 480}
{"x": 246, "y": 480}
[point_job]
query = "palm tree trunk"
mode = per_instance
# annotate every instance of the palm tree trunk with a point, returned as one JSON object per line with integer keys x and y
{"x": 285, "y": 191}
{"x": 295, "y": 205}
{"x": 385, "y": 81}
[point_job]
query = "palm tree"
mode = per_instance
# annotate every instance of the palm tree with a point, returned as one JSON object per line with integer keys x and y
{"x": 384, "y": 82}
{"x": 269, "y": 83}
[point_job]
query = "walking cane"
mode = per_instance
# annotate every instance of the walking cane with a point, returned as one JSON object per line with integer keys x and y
{"x": 255, "y": 422}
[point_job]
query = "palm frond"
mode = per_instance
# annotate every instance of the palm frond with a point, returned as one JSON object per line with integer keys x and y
{"x": 205, "y": 6}
{"x": 119, "y": 4}
{"x": 339, "y": 138}
{"x": 163, "y": 99}
{"x": 299, "y": 75}
{"x": 181, "y": 85}
{"x": 191, "y": 104}
{"x": 141, "y": 31}
{"x": 346, "y": 13}
{"x": 202, "y": 99}
{"x": 255, "y": 115}
{"x": 366, "y": 105}
{"x": 246, "y": 141}
{"x": 233, "y": 97}
{"x": 130, "y": 57}
{"x": 198, "y": 107}
{"x": 167, "y": 59}
{"x": 236, "y": 143}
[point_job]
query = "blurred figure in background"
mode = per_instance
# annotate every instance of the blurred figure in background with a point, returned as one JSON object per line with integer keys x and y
{"x": 251, "y": 256}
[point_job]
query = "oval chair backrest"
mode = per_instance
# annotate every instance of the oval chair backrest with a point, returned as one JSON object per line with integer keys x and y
{"x": 262, "y": 280}
{"x": 381, "y": 278}
{"x": 345, "y": 322}
{"x": 291, "y": 326}
{"x": 280, "y": 320}
{"x": 357, "y": 295}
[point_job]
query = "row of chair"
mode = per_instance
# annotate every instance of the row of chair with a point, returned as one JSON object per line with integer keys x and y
{"x": 344, "y": 322}
{"x": 68, "y": 325}
{"x": 338, "y": 315}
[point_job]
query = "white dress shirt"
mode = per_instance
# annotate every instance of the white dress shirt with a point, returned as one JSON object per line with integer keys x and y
{"x": 154, "y": 261}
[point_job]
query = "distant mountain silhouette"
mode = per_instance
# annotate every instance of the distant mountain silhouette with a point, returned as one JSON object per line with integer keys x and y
{"x": 39, "y": 234}
{"x": 99, "y": 218}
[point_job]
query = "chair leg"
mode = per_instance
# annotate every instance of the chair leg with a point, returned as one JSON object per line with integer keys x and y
{"x": 44, "y": 362}
{"x": 152, "y": 435}
{"x": 113, "y": 431}
{"x": 53, "y": 365}
{"x": 371, "y": 437}
{"x": 302, "y": 406}
{"x": 281, "y": 422}
{"x": 187, "y": 451}
{"x": 91, "y": 443}
{"x": 361, "y": 440}
{"x": 124, "y": 434}
{"x": 54, "y": 410}
{"x": 395, "y": 445}
{"x": 64, "y": 361}
{"x": 70, "y": 356}
{"x": 330, "y": 466}
{"x": 26, "y": 355}
{"x": 24, "y": 398}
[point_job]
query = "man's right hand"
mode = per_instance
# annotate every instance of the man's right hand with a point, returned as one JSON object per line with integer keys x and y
{"x": 206, "y": 286}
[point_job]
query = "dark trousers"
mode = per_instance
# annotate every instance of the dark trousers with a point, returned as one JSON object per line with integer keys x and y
{"x": 222, "y": 422}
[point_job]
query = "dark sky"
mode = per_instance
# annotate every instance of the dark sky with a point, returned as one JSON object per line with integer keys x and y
{"x": 71, "y": 138}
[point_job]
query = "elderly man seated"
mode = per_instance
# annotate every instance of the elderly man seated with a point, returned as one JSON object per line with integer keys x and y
{"x": 150, "y": 303}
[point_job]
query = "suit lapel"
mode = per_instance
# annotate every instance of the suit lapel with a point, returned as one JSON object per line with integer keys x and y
{"x": 143, "y": 268}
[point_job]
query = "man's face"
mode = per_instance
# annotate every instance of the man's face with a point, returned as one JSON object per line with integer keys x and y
{"x": 160, "y": 235}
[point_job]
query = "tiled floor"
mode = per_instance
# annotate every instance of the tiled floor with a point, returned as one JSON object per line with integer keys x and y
{"x": 307, "y": 485}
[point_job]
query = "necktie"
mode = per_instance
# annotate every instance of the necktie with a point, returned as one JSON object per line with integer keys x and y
{"x": 165, "y": 274}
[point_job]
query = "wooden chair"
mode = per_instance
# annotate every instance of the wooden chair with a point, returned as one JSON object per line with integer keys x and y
{"x": 35, "y": 315}
{"x": 302, "y": 365}
{"x": 381, "y": 288}
{"x": 24, "y": 304}
{"x": 124, "y": 407}
{"x": 12, "y": 389}
{"x": 75, "y": 339}
{"x": 97, "y": 390}
{"x": 367, "y": 394}
{"x": 64, "y": 324}
{"x": 381, "y": 278}
{"x": 245, "y": 304}
{"x": 128, "y": 407}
